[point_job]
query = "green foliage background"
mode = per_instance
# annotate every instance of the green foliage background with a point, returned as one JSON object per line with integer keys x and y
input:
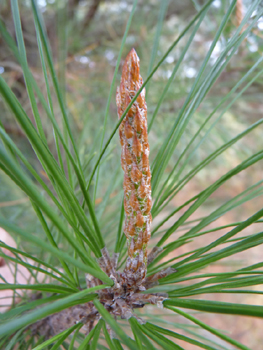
{"x": 60, "y": 157}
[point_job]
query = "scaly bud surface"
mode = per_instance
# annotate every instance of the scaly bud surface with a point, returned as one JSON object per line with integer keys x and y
{"x": 135, "y": 164}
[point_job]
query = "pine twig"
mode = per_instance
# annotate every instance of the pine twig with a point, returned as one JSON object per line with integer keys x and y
{"x": 125, "y": 295}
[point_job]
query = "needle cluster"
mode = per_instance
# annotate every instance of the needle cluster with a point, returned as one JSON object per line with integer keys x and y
{"x": 127, "y": 292}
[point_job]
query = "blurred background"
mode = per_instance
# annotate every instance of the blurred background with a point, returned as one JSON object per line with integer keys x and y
{"x": 85, "y": 37}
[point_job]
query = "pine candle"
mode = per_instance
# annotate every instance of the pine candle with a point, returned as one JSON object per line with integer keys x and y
{"x": 135, "y": 164}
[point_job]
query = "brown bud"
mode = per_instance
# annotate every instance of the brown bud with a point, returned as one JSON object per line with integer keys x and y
{"x": 126, "y": 205}
{"x": 120, "y": 111}
{"x": 123, "y": 161}
{"x": 132, "y": 110}
{"x": 142, "y": 189}
{"x": 133, "y": 65}
{"x": 147, "y": 177}
{"x": 145, "y": 135}
{"x": 128, "y": 156}
{"x": 148, "y": 205}
{"x": 150, "y": 218}
{"x": 146, "y": 234}
{"x": 136, "y": 147}
{"x": 135, "y": 163}
{"x": 138, "y": 243}
{"x": 122, "y": 93}
{"x": 134, "y": 202}
{"x": 136, "y": 175}
{"x": 127, "y": 184}
{"x": 140, "y": 82}
{"x": 141, "y": 101}
{"x": 130, "y": 228}
{"x": 138, "y": 122}
{"x": 131, "y": 248}
{"x": 145, "y": 162}
{"x": 128, "y": 130}
{"x": 139, "y": 219}
{"x": 121, "y": 137}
